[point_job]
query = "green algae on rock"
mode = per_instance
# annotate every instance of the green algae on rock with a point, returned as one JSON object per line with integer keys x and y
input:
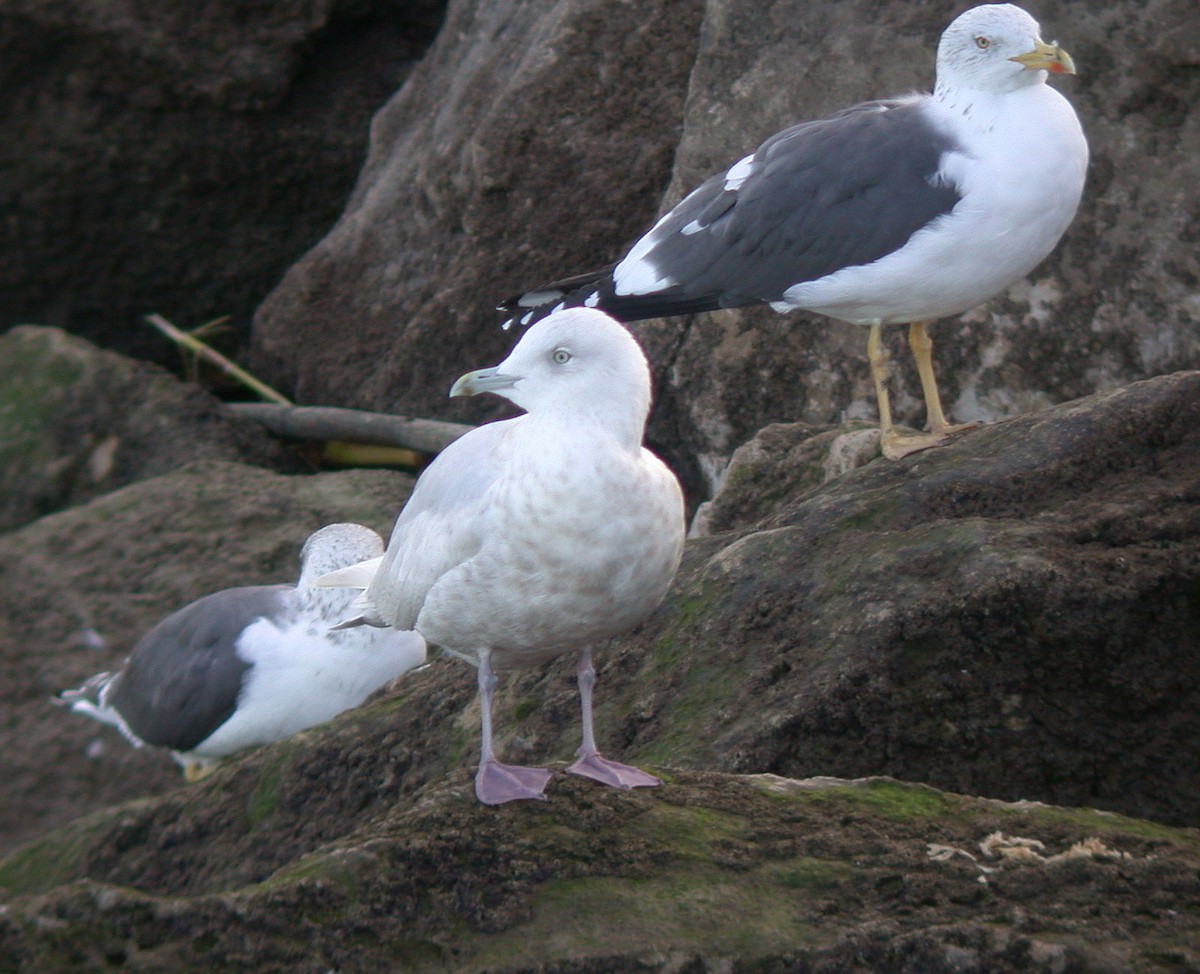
{"x": 752, "y": 873}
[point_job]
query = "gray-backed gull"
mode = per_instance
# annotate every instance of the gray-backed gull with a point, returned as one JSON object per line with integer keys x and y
{"x": 538, "y": 535}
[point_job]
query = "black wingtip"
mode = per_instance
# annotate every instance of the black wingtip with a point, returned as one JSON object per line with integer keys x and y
{"x": 533, "y": 305}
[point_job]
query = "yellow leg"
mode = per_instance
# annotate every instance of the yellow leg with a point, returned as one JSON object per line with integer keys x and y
{"x": 877, "y": 355}
{"x": 922, "y": 349}
{"x": 195, "y": 771}
{"x": 893, "y": 445}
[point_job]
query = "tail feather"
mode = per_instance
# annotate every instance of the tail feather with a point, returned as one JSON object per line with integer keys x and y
{"x": 352, "y": 576}
{"x": 90, "y": 693}
{"x": 595, "y": 289}
{"x": 579, "y": 291}
{"x": 365, "y": 615}
{"x": 91, "y": 700}
{"x": 557, "y": 290}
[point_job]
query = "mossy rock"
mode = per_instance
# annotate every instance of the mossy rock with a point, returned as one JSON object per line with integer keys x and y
{"x": 755, "y": 873}
{"x": 77, "y": 421}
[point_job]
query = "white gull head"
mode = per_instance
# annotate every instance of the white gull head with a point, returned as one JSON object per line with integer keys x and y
{"x": 996, "y": 47}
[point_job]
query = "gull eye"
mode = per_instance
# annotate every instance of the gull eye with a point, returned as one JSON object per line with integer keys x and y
{"x": 560, "y": 356}
{"x": 982, "y": 43}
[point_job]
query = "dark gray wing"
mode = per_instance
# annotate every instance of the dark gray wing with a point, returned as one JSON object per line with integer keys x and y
{"x": 817, "y": 197}
{"x": 182, "y": 680}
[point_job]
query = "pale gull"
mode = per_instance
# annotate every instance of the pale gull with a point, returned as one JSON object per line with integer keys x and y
{"x": 538, "y": 535}
{"x": 890, "y": 212}
{"x": 247, "y": 666}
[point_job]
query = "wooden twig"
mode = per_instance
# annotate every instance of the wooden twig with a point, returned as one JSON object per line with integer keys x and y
{"x": 339, "y": 453}
{"x": 339, "y": 429}
{"x": 352, "y": 425}
{"x": 193, "y": 344}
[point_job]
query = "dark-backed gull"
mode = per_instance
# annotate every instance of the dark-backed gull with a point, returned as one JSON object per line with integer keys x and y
{"x": 248, "y": 666}
{"x": 889, "y": 212}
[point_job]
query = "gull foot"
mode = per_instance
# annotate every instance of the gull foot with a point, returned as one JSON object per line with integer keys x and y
{"x": 194, "y": 771}
{"x": 953, "y": 429}
{"x": 894, "y": 446}
{"x": 608, "y": 772}
{"x": 497, "y": 783}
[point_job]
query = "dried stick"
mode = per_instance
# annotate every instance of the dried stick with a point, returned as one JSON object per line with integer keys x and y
{"x": 339, "y": 429}
{"x": 352, "y": 425}
{"x": 193, "y": 344}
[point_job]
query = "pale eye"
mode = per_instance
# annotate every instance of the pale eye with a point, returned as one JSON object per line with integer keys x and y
{"x": 982, "y": 43}
{"x": 561, "y": 356}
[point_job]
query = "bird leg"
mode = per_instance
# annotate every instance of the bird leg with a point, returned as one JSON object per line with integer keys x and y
{"x": 877, "y": 355}
{"x": 591, "y": 763}
{"x": 497, "y": 783}
{"x": 922, "y": 350}
{"x": 197, "y": 770}
{"x": 894, "y": 445}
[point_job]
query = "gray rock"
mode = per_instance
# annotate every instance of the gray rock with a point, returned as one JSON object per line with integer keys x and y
{"x": 709, "y": 873}
{"x": 76, "y": 422}
{"x": 1011, "y": 616}
{"x": 528, "y": 129}
{"x": 495, "y": 169}
{"x": 176, "y": 157}
{"x": 79, "y": 587}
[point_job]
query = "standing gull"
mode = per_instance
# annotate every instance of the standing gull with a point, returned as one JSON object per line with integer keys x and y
{"x": 535, "y": 536}
{"x": 251, "y": 665}
{"x": 890, "y": 212}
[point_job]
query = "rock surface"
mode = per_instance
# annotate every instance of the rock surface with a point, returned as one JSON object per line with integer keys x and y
{"x": 1013, "y": 616}
{"x": 176, "y": 157}
{"x": 710, "y": 872}
{"x": 495, "y": 169}
{"x": 77, "y": 422}
{"x": 79, "y": 587}
{"x": 981, "y": 618}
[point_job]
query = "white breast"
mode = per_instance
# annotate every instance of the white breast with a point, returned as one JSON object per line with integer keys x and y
{"x": 586, "y": 545}
{"x": 302, "y": 675}
{"x": 1020, "y": 173}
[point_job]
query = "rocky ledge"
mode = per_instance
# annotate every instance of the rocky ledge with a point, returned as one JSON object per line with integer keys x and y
{"x": 711, "y": 872}
{"x": 1013, "y": 616}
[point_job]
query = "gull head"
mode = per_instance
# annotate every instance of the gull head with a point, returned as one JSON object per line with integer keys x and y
{"x": 578, "y": 361}
{"x": 336, "y": 546}
{"x": 996, "y": 47}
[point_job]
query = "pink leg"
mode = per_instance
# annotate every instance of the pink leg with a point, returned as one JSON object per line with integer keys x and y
{"x": 497, "y": 783}
{"x": 591, "y": 763}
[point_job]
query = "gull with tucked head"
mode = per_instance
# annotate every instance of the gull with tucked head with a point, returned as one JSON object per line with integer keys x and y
{"x": 538, "y": 535}
{"x": 250, "y": 665}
